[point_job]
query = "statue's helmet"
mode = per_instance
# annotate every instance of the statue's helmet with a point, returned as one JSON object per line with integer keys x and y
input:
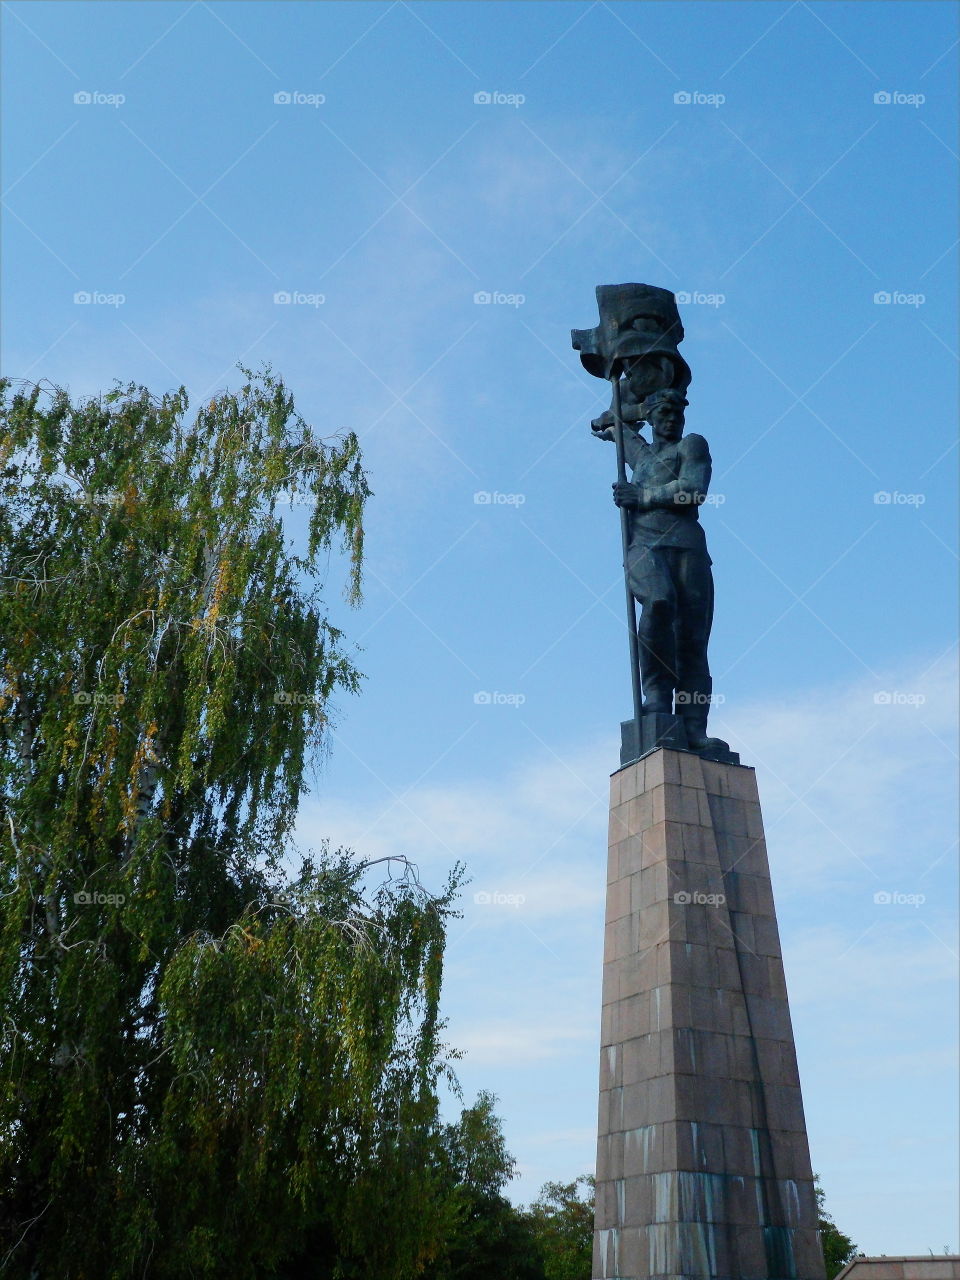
{"x": 638, "y": 335}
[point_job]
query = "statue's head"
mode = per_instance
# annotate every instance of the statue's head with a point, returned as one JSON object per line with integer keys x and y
{"x": 664, "y": 411}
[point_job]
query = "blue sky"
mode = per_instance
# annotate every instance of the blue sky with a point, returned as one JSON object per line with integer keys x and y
{"x": 783, "y": 196}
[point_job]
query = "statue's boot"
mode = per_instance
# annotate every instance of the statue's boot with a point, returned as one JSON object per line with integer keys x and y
{"x": 657, "y": 690}
{"x": 693, "y": 706}
{"x": 657, "y": 660}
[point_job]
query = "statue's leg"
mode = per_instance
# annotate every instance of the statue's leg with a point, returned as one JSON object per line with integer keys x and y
{"x": 652, "y": 585}
{"x": 695, "y": 618}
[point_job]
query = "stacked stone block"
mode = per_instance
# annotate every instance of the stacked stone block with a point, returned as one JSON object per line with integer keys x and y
{"x": 703, "y": 1168}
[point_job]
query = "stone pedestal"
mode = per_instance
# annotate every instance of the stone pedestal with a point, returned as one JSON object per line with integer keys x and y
{"x": 703, "y": 1169}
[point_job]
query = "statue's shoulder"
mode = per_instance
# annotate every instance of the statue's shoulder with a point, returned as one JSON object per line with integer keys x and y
{"x": 694, "y": 445}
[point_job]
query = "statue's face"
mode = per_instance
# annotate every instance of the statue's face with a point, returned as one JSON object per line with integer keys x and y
{"x": 666, "y": 420}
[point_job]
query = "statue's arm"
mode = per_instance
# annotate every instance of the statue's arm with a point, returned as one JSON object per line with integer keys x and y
{"x": 633, "y": 443}
{"x": 693, "y": 480}
{"x": 633, "y": 446}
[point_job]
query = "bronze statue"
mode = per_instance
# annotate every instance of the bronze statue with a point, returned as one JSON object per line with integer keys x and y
{"x": 667, "y": 568}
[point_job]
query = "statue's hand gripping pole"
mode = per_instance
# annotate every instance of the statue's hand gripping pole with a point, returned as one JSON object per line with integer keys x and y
{"x": 625, "y": 538}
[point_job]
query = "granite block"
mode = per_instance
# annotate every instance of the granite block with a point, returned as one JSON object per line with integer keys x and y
{"x": 638, "y": 1200}
{"x": 661, "y": 767}
{"x": 645, "y": 1150}
{"x": 767, "y": 936}
{"x": 606, "y": 1206}
{"x": 611, "y": 1067}
{"x": 618, "y": 827}
{"x": 655, "y": 924}
{"x": 744, "y": 854}
{"x": 743, "y": 927}
{"x": 654, "y": 884}
{"x": 651, "y": 1103}
{"x": 691, "y": 771}
{"x": 728, "y": 968}
{"x": 609, "y": 1157}
{"x": 653, "y": 846}
{"x": 642, "y": 1058}
{"x": 640, "y": 811}
{"x": 681, "y": 803}
{"x": 776, "y": 982}
{"x": 618, "y": 899}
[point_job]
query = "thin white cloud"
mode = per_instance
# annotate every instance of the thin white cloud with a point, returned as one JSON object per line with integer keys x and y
{"x": 854, "y": 792}
{"x": 495, "y": 1044}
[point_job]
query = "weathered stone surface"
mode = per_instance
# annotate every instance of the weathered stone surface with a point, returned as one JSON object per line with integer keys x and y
{"x": 703, "y": 1169}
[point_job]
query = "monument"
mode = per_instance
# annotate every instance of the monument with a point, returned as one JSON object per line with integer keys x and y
{"x": 703, "y": 1167}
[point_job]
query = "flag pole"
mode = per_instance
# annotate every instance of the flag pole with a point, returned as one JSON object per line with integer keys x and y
{"x": 625, "y": 537}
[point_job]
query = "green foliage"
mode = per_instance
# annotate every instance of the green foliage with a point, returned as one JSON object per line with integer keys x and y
{"x": 562, "y": 1222}
{"x": 206, "y": 1070}
{"x": 838, "y": 1249}
{"x": 486, "y": 1237}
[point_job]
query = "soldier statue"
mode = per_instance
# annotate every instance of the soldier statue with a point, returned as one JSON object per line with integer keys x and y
{"x": 666, "y": 562}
